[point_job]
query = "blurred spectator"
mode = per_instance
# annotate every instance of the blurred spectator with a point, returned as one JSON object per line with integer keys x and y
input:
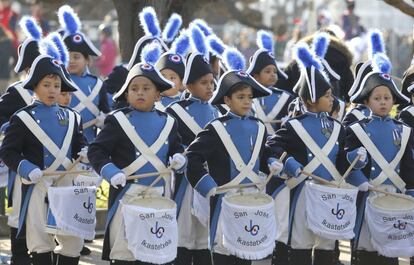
{"x": 350, "y": 21}
{"x": 296, "y": 36}
{"x": 8, "y": 19}
{"x": 37, "y": 13}
{"x": 106, "y": 62}
{"x": 6, "y": 50}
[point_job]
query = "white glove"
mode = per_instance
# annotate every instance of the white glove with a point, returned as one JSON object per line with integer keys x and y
{"x": 177, "y": 161}
{"x": 35, "y": 175}
{"x": 275, "y": 167}
{"x": 364, "y": 186}
{"x": 84, "y": 155}
{"x": 3, "y": 168}
{"x": 362, "y": 152}
{"x": 118, "y": 179}
{"x": 100, "y": 120}
{"x": 212, "y": 192}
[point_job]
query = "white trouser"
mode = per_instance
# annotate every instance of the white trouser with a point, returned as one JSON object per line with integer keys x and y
{"x": 36, "y": 238}
{"x": 302, "y": 236}
{"x": 191, "y": 233}
{"x": 13, "y": 219}
{"x": 117, "y": 240}
{"x": 282, "y": 203}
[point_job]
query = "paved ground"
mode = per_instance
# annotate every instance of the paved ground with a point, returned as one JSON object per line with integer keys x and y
{"x": 96, "y": 245}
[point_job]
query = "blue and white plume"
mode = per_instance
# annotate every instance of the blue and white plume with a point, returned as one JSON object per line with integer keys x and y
{"x": 320, "y": 44}
{"x": 69, "y": 20}
{"x": 47, "y": 47}
{"x": 60, "y": 45}
{"x": 172, "y": 27}
{"x": 234, "y": 60}
{"x": 376, "y": 43}
{"x": 217, "y": 47}
{"x": 205, "y": 28}
{"x": 149, "y": 22}
{"x": 264, "y": 40}
{"x": 381, "y": 63}
{"x": 197, "y": 40}
{"x": 30, "y": 28}
{"x": 181, "y": 44}
{"x": 151, "y": 53}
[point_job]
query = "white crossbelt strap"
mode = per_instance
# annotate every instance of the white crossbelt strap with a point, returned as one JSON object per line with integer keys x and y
{"x": 341, "y": 112}
{"x": 159, "y": 106}
{"x": 245, "y": 170}
{"x": 44, "y": 139}
{"x": 148, "y": 154}
{"x": 388, "y": 169}
{"x": 24, "y": 93}
{"x": 411, "y": 110}
{"x": 186, "y": 118}
{"x": 87, "y": 101}
{"x": 320, "y": 155}
{"x": 266, "y": 118}
{"x": 358, "y": 114}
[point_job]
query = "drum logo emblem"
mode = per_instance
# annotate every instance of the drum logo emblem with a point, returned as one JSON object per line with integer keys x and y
{"x": 252, "y": 229}
{"x": 339, "y": 213}
{"x": 400, "y": 225}
{"x": 157, "y": 231}
{"x": 88, "y": 205}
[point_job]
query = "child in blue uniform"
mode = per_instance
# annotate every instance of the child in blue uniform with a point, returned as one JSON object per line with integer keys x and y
{"x": 385, "y": 140}
{"x": 192, "y": 115}
{"x": 15, "y": 98}
{"x": 360, "y": 111}
{"x": 264, "y": 69}
{"x": 91, "y": 99}
{"x": 211, "y": 164}
{"x": 171, "y": 66}
{"x": 152, "y": 32}
{"x": 33, "y": 142}
{"x": 115, "y": 155}
{"x": 295, "y": 138}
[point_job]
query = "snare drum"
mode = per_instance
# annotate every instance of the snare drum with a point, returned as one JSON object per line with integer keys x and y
{"x": 390, "y": 221}
{"x": 248, "y": 225}
{"x": 72, "y": 211}
{"x": 331, "y": 211}
{"x": 151, "y": 228}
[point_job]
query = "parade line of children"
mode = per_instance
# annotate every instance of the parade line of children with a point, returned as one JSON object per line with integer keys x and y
{"x": 211, "y": 158}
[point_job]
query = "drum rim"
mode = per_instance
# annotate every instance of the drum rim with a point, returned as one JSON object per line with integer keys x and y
{"x": 371, "y": 198}
{"x": 349, "y": 186}
{"x": 171, "y": 202}
{"x": 271, "y": 201}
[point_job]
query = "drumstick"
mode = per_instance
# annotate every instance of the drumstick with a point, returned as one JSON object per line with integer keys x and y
{"x": 348, "y": 170}
{"x": 223, "y": 189}
{"x": 55, "y": 173}
{"x": 68, "y": 169}
{"x": 272, "y": 172}
{"x": 89, "y": 123}
{"x": 398, "y": 195}
{"x": 317, "y": 178}
{"x": 146, "y": 175}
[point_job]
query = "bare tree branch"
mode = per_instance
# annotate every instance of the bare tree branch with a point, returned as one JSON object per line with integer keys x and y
{"x": 402, "y": 6}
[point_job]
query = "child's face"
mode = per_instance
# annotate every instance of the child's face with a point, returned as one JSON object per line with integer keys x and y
{"x": 267, "y": 76}
{"x": 380, "y": 101}
{"x": 77, "y": 63}
{"x": 323, "y": 104}
{"x": 48, "y": 89}
{"x": 64, "y": 99}
{"x": 203, "y": 87}
{"x": 172, "y": 76}
{"x": 142, "y": 94}
{"x": 240, "y": 102}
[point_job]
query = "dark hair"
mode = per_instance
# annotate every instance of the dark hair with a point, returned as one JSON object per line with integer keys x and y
{"x": 236, "y": 88}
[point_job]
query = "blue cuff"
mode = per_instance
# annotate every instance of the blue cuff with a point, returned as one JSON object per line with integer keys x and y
{"x": 205, "y": 185}
{"x": 350, "y": 156}
{"x": 410, "y": 192}
{"x": 109, "y": 170}
{"x": 292, "y": 166}
{"x": 356, "y": 178}
{"x": 25, "y": 167}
